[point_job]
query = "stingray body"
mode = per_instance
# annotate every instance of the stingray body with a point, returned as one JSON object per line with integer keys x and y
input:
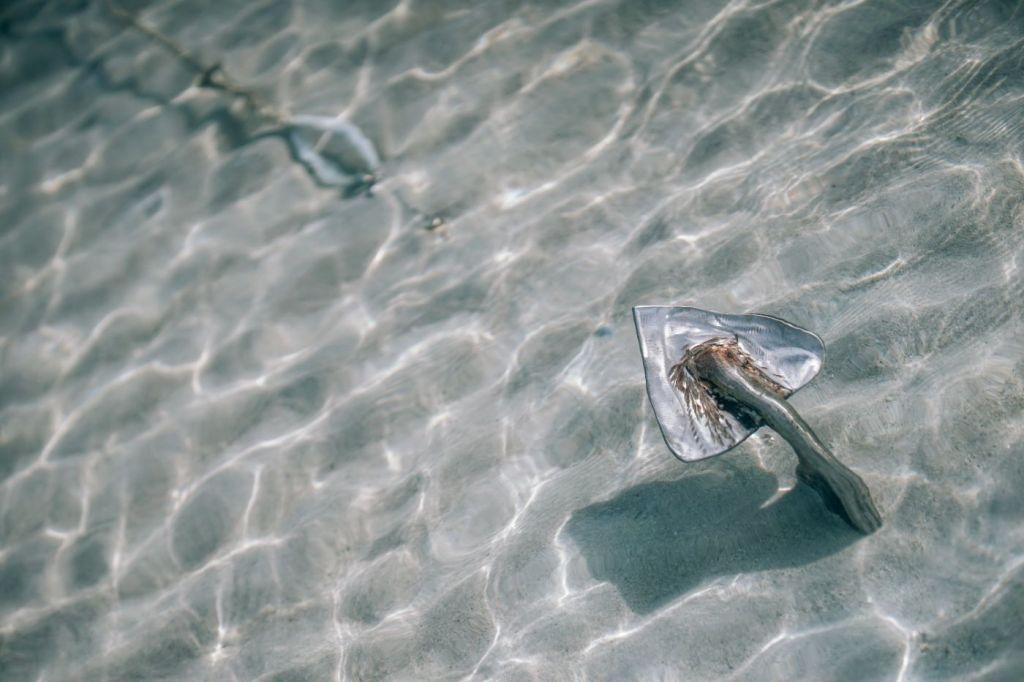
{"x": 732, "y": 375}
{"x": 334, "y": 150}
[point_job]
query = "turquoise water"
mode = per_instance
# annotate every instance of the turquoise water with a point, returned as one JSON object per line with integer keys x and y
{"x": 256, "y": 426}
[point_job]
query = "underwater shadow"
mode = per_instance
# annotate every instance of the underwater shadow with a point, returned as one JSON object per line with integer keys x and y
{"x": 658, "y": 541}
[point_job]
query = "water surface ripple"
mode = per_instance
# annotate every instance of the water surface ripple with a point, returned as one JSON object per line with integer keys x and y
{"x": 252, "y": 427}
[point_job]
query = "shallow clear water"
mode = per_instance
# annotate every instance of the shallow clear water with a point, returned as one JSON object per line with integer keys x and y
{"x": 256, "y": 428}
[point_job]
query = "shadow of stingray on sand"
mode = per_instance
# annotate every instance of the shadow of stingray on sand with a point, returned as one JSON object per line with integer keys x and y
{"x": 657, "y": 541}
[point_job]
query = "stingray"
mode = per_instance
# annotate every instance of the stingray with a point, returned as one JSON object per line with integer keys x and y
{"x": 714, "y": 379}
{"x": 333, "y": 150}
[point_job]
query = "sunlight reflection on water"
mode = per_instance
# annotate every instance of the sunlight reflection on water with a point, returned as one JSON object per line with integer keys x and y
{"x": 254, "y": 426}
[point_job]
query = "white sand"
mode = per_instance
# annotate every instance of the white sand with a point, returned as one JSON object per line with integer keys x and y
{"x": 251, "y": 428}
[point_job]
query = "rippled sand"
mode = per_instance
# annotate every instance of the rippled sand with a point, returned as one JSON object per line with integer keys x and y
{"x": 253, "y": 428}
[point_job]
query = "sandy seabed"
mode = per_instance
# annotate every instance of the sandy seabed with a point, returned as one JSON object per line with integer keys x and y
{"x": 254, "y": 427}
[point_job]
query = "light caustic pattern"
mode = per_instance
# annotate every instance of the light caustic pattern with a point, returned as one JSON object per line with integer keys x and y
{"x": 254, "y": 428}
